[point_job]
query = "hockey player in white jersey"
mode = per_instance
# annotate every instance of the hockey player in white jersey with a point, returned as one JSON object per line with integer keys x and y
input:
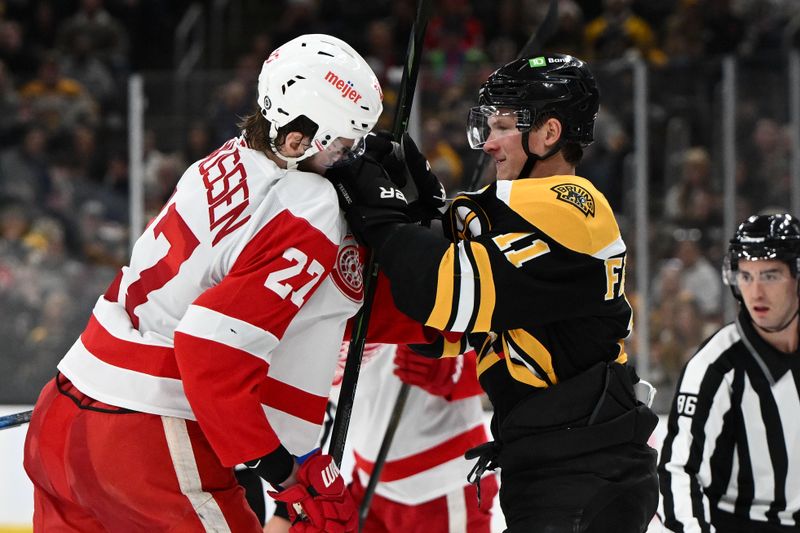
{"x": 217, "y": 343}
{"x": 423, "y": 484}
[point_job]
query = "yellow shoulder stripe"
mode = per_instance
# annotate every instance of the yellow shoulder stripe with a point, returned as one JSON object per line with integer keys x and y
{"x": 568, "y": 209}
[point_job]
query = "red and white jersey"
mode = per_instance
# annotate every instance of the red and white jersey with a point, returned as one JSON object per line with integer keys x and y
{"x": 426, "y": 459}
{"x": 232, "y": 308}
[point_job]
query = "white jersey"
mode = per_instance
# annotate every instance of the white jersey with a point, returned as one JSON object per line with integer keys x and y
{"x": 231, "y": 311}
{"x": 426, "y": 459}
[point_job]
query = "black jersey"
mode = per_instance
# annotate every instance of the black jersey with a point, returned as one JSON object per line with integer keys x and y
{"x": 535, "y": 275}
{"x": 730, "y": 455}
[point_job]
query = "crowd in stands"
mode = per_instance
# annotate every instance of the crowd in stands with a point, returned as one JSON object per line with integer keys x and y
{"x": 64, "y": 68}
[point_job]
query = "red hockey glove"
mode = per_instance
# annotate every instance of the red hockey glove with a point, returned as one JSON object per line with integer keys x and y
{"x": 435, "y": 376}
{"x": 319, "y": 502}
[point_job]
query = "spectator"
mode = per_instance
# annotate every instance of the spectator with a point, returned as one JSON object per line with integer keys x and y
{"x": 618, "y": 31}
{"x": 380, "y": 48}
{"x": 103, "y": 241}
{"x": 568, "y": 38}
{"x": 24, "y": 172}
{"x": 768, "y": 158}
{"x": 698, "y": 276}
{"x": 83, "y": 65}
{"x": 197, "y": 142}
{"x": 679, "y": 328}
{"x": 298, "y": 17}
{"x": 683, "y": 34}
{"x": 454, "y": 42}
{"x": 763, "y": 39}
{"x": 10, "y": 109}
{"x": 107, "y": 35}
{"x": 42, "y": 27}
{"x": 692, "y": 200}
{"x": 231, "y": 102}
{"x": 13, "y": 52}
{"x": 443, "y": 158}
{"x": 603, "y": 162}
{"x": 15, "y": 222}
{"x": 57, "y": 102}
{"x": 723, "y": 29}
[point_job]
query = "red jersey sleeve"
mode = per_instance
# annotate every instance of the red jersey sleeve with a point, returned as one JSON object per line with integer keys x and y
{"x": 224, "y": 341}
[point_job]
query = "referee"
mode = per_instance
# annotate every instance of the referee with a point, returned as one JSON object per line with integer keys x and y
{"x": 731, "y": 459}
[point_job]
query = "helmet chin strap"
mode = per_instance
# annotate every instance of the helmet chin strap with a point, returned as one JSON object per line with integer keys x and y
{"x": 291, "y": 162}
{"x": 527, "y": 168}
{"x": 779, "y": 328}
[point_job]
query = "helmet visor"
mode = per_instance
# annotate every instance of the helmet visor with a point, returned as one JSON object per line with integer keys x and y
{"x": 761, "y": 251}
{"x": 339, "y": 152}
{"x": 486, "y": 123}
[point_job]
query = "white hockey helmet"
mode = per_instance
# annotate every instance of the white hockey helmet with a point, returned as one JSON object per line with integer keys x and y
{"x": 324, "y": 79}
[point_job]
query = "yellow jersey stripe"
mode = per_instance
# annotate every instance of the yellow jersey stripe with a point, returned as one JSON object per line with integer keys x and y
{"x": 518, "y": 369}
{"x": 487, "y": 361}
{"x": 450, "y": 349}
{"x": 483, "y": 320}
{"x": 536, "y": 351}
{"x": 622, "y": 358}
{"x": 522, "y": 374}
{"x": 443, "y": 304}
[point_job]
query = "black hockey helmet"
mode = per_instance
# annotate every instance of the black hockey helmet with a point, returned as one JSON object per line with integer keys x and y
{"x": 558, "y": 83}
{"x": 763, "y": 237}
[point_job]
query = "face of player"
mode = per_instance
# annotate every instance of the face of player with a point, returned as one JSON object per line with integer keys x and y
{"x": 339, "y": 151}
{"x": 769, "y": 292}
{"x": 504, "y": 143}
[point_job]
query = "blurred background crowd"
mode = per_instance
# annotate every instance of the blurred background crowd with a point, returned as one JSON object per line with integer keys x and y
{"x": 64, "y": 165}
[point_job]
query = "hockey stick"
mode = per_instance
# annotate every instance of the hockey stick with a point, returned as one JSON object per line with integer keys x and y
{"x": 17, "y": 419}
{"x": 352, "y": 366}
{"x": 545, "y": 30}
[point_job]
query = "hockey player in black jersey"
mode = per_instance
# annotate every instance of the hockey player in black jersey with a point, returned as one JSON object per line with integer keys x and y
{"x": 531, "y": 270}
{"x": 730, "y": 462}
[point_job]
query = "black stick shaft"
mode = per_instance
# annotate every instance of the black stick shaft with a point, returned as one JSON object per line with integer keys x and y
{"x": 380, "y": 461}
{"x": 361, "y": 321}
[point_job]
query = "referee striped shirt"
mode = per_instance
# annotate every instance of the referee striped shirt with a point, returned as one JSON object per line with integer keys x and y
{"x": 732, "y": 449}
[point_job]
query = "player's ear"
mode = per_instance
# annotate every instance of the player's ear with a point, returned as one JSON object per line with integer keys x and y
{"x": 552, "y": 131}
{"x": 294, "y": 145}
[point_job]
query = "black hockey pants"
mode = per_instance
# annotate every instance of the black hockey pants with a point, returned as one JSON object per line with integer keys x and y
{"x": 574, "y": 458}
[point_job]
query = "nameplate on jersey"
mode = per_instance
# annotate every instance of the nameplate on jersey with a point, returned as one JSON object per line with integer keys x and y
{"x": 348, "y": 271}
{"x": 575, "y": 195}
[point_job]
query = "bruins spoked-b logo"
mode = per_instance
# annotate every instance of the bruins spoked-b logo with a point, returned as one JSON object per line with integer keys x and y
{"x": 575, "y": 195}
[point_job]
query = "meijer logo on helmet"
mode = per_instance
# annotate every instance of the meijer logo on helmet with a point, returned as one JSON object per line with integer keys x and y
{"x": 346, "y": 87}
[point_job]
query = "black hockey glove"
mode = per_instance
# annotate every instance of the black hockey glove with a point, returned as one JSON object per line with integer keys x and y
{"x": 372, "y": 204}
{"x": 431, "y": 195}
{"x": 403, "y": 160}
